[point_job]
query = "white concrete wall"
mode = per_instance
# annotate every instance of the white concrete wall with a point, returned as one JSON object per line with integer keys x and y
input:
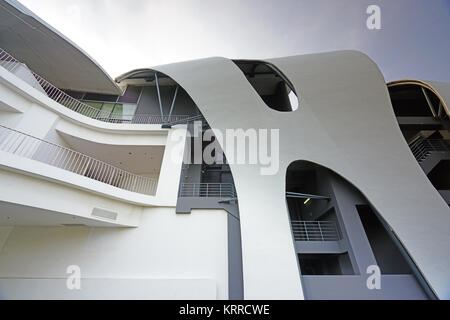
{"x": 22, "y": 71}
{"x": 168, "y": 256}
{"x": 64, "y": 203}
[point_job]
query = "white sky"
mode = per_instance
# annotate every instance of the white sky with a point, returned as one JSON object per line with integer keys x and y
{"x": 123, "y": 35}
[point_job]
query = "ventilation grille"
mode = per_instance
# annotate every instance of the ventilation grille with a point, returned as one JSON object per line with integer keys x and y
{"x": 104, "y": 214}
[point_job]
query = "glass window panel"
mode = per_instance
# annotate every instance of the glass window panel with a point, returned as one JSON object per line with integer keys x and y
{"x": 124, "y": 111}
{"x": 117, "y": 111}
{"x": 129, "y": 109}
{"x": 106, "y": 110}
{"x": 90, "y": 112}
{"x": 96, "y": 105}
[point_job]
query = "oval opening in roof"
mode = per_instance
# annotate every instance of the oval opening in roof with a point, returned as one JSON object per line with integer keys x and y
{"x": 271, "y": 84}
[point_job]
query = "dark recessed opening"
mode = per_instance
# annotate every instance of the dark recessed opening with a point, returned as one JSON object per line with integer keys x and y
{"x": 271, "y": 84}
{"x": 387, "y": 254}
{"x": 440, "y": 175}
{"x": 325, "y": 264}
{"x": 410, "y": 101}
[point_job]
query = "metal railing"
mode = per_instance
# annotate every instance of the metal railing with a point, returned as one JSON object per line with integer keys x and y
{"x": 30, "y": 147}
{"x": 421, "y": 148}
{"x": 218, "y": 190}
{"x": 10, "y": 63}
{"x": 187, "y": 119}
{"x": 7, "y": 61}
{"x": 315, "y": 231}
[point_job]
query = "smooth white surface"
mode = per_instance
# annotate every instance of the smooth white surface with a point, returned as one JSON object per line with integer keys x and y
{"x": 138, "y": 159}
{"x": 50, "y": 196}
{"x": 188, "y": 253}
{"x": 110, "y": 289}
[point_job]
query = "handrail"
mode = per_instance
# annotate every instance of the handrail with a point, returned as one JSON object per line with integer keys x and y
{"x": 186, "y": 120}
{"x": 10, "y": 63}
{"x": 315, "y": 230}
{"x": 422, "y": 147}
{"x": 217, "y": 190}
{"x": 7, "y": 61}
{"x": 30, "y": 147}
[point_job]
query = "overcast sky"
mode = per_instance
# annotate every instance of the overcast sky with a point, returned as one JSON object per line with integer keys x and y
{"x": 414, "y": 41}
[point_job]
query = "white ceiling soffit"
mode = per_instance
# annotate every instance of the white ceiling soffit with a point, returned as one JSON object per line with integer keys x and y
{"x": 49, "y": 53}
{"x": 138, "y": 159}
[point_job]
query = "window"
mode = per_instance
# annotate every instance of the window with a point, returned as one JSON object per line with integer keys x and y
{"x": 111, "y": 106}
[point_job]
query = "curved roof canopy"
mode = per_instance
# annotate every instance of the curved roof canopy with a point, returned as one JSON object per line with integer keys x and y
{"x": 440, "y": 89}
{"x": 49, "y": 53}
{"x": 145, "y": 75}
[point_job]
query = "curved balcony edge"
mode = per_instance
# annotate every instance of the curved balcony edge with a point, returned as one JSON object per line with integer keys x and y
{"x": 24, "y": 90}
{"x": 15, "y": 163}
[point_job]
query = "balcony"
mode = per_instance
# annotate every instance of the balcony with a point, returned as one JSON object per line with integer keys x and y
{"x": 317, "y": 237}
{"x": 24, "y": 145}
{"x": 11, "y": 64}
{"x": 315, "y": 231}
{"x": 209, "y": 190}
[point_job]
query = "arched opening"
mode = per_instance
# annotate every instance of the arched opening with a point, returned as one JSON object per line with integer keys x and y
{"x": 271, "y": 84}
{"x": 424, "y": 121}
{"x": 338, "y": 234}
{"x": 419, "y": 110}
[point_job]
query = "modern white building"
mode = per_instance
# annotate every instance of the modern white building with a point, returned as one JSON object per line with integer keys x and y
{"x": 99, "y": 201}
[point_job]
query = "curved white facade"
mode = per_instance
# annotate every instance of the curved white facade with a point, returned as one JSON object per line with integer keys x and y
{"x": 339, "y": 92}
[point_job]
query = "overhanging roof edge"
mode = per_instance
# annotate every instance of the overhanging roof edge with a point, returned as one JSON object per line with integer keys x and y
{"x": 109, "y": 86}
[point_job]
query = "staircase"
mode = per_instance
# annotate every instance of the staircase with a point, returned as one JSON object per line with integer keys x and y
{"x": 429, "y": 152}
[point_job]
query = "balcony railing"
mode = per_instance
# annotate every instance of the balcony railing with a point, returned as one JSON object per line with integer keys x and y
{"x": 7, "y": 61}
{"x": 10, "y": 63}
{"x": 217, "y": 190}
{"x": 30, "y": 147}
{"x": 421, "y": 148}
{"x": 315, "y": 231}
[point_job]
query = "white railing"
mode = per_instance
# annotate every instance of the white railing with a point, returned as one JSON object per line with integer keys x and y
{"x": 7, "y": 61}
{"x": 315, "y": 230}
{"x": 10, "y": 63}
{"x": 30, "y": 147}
{"x": 217, "y": 190}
